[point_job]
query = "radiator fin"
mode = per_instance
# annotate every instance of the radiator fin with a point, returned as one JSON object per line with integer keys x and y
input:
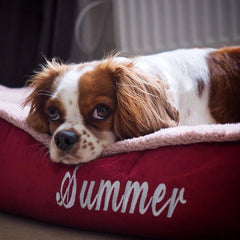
{"x": 148, "y": 26}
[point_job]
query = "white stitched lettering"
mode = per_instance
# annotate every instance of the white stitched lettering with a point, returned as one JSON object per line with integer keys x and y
{"x": 106, "y": 196}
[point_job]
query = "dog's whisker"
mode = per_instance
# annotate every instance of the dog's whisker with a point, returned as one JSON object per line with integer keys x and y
{"x": 46, "y": 154}
{"x": 43, "y": 90}
{"x": 44, "y": 151}
{"x": 44, "y": 93}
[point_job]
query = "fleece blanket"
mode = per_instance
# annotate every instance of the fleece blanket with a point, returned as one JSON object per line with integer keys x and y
{"x": 11, "y": 110}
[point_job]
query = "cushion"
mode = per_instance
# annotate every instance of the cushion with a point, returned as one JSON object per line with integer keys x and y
{"x": 181, "y": 190}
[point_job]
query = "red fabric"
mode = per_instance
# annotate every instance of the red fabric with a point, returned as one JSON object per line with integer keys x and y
{"x": 203, "y": 177}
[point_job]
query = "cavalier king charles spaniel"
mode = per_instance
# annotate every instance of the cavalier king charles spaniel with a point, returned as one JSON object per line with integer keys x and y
{"x": 87, "y": 106}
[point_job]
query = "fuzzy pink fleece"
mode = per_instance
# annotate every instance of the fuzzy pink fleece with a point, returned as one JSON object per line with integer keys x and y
{"x": 12, "y": 111}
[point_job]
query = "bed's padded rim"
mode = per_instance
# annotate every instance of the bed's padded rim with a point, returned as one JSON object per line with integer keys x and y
{"x": 208, "y": 172}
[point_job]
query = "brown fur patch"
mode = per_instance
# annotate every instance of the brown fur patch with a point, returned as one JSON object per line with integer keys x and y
{"x": 44, "y": 84}
{"x": 224, "y": 100}
{"x": 96, "y": 87}
{"x": 144, "y": 104}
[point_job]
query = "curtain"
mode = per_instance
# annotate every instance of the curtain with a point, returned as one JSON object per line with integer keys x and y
{"x": 31, "y": 31}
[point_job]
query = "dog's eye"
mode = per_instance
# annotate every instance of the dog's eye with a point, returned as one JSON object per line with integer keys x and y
{"x": 101, "y": 112}
{"x": 53, "y": 114}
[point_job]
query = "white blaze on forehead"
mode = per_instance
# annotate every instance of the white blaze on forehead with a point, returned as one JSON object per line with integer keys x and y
{"x": 68, "y": 90}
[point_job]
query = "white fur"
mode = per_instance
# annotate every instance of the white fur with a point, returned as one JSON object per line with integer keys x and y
{"x": 180, "y": 70}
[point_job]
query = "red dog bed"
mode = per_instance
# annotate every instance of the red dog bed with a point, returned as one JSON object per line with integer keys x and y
{"x": 180, "y": 190}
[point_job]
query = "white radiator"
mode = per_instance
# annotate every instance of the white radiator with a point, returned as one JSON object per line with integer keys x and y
{"x": 148, "y": 26}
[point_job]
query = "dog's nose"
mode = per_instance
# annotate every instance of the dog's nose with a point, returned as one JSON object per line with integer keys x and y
{"x": 65, "y": 140}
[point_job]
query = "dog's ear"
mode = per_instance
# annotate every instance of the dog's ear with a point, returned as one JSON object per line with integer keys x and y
{"x": 144, "y": 104}
{"x": 37, "y": 120}
{"x": 43, "y": 84}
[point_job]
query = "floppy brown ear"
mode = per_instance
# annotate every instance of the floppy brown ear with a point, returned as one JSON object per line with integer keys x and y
{"x": 38, "y": 122}
{"x": 143, "y": 103}
{"x": 43, "y": 84}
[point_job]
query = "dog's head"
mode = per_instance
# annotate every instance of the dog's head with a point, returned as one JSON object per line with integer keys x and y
{"x": 88, "y": 106}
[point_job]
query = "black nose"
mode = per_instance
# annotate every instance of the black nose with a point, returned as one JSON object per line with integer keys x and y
{"x": 65, "y": 140}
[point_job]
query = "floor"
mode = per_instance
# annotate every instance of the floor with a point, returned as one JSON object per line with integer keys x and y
{"x": 18, "y": 228}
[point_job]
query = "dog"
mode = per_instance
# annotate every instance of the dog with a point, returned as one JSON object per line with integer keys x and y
{"x": 87, "y": 106}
